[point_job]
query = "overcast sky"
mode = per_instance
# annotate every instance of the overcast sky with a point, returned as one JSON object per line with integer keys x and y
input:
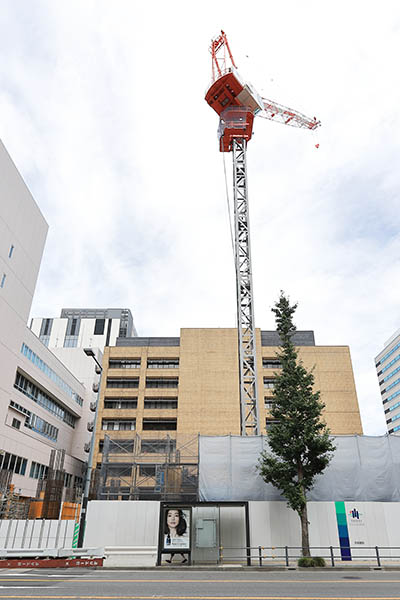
{"x": 102, "y": 109}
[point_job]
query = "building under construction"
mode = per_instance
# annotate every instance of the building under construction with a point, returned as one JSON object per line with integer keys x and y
{"x": 158, "y": 394}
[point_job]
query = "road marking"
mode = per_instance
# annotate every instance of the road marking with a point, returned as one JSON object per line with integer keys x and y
{"x": 237, "y": 581}
{"x": 174, "y": 597}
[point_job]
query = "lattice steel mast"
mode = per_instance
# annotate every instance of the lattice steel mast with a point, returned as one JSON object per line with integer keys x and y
{"x": 236, "y": 102}
{"x": 244, "y": 290}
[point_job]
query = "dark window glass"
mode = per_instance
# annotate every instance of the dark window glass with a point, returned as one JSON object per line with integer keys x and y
{"x": 157, "y": 446}
{"x": 162, "y": 363}
{"x": 119, "y": 382}
{"x": 124, "y": 363}
{"x": 162, "y": 382}
{"x": 15, "y": 423}
{"x": 147, "y": 470}
{"x": 270, "y": 423}
{"x": 159, "y": 425}
{"x": 161, "y": 403}
{"x": 271, "y": 363}
{"x": 99, "y": 326}
{"x": 269, "y": 383}
{"x": 120, "y": 403}
{"x": 37, "y": 395}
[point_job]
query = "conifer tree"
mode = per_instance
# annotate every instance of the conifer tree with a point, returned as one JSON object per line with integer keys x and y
{"x": 299, "y": 439}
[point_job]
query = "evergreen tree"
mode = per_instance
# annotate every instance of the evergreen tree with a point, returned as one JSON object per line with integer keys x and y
{"x": 299, "y": 440}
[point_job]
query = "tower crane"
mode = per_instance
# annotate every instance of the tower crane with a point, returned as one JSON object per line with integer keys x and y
{"x": 237, "y": 103}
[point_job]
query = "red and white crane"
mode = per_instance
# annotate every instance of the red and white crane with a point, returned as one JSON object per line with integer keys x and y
{"x": 237, "y": 103}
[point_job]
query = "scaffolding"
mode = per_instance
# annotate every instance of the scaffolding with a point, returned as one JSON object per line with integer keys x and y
{"x": 51, "y": 488}
{"x": 12, "y": 504}
{"x": 156, "y": 468}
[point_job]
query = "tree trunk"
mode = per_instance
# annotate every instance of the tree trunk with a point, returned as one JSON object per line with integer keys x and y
{"x": 305, "y": 542}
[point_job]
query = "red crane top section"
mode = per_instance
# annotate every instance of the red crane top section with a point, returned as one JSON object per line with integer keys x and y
{"x": 228, "y": 91}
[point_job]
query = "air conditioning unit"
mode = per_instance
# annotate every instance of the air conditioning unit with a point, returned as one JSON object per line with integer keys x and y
{"x": 95, "y": 387}
{"x": 92, "y": 406}
{"x": 90, "y": 426}
{"x": 86, "y": 447}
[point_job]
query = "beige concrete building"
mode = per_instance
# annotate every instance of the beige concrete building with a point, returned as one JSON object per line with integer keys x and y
{"x": 153, "y": 389}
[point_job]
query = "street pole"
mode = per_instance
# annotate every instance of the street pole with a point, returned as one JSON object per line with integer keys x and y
{"x": 85, "y": 496}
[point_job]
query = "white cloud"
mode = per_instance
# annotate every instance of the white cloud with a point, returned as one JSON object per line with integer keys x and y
{"x": 102, "y": 108}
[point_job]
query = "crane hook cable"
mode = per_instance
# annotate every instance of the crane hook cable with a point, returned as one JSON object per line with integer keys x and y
{"x": 228, "y": 205}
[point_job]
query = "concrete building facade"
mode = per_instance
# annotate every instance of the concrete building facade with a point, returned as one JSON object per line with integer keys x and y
{"x": 177, "y": 388}
{"x": 387, "y": 365}
{"x": 84, "y": 327}
{"x": 41, "y": 401}
{"x": 67, "y": 336}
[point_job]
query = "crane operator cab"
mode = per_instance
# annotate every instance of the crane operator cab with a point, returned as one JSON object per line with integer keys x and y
{"x": 235, "y": 122}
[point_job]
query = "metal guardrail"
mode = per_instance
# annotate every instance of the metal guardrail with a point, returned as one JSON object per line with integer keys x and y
{"x": 334, "y": 554}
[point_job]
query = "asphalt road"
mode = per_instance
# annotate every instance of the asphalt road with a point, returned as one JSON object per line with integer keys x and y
{"x": 179, "y": 584}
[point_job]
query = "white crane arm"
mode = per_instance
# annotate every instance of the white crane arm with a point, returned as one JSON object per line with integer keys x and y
{"x": 287, "y": 116}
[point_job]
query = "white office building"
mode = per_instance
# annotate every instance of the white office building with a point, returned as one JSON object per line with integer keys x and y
{"x": 387, "y": 365}
{"x": 41, "y": 402}
{"x": 78, "y": 328}
{"x": 84, "y": 327}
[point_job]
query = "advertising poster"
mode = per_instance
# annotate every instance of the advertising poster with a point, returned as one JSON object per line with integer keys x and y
{"x": 176, "y": 534}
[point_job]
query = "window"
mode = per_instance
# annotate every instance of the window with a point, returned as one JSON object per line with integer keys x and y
{"x": 270, "y": 423}
{"x": 3, "y": 280}
{"x": 119, "y": 446}
{"x": 99, "y": 326}
{"x": 27, "y": 387}
{"x": 39, "y": 425}
{"x": 271, "y": 363}
{"x": 163, "y": 403}
{"x": 124, "y": 363}
{"x": 16, "y": 423}
{"x": 120, "y": 382}
{"x": 45, "y": 328}
{"x": 159, "y": 424}
{"x": 19, "y": 408}
{"x": 120, "y": 403}
{"x": 12, "y": 462}
{"x": 392, "y": 362}
{"x": 38, "y": 471}
{"x": 268, "y": 403}
{"x": 67, "y": 480}
{"x": 392, "y": 385}
{"x": 40, "y": 364}
{"x": 158, "y": 446}
{"x": 162, "y": 382}
{"x": 269, "y": 383}
{"x": 162, "y": 363}
{"x": 72, "y": 333}
{"x": 118, "y": 425}
{"x": 147, "y": 470}
{"x": 388, "y": 354}
{"x": 390, "y": 375}
{"x": 11, "y": 251}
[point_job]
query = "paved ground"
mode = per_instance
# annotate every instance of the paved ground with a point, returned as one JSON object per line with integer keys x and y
{"x": 194, "y": 584}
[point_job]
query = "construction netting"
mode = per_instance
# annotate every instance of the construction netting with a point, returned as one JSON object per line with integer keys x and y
{"x": 363, "y": 468}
